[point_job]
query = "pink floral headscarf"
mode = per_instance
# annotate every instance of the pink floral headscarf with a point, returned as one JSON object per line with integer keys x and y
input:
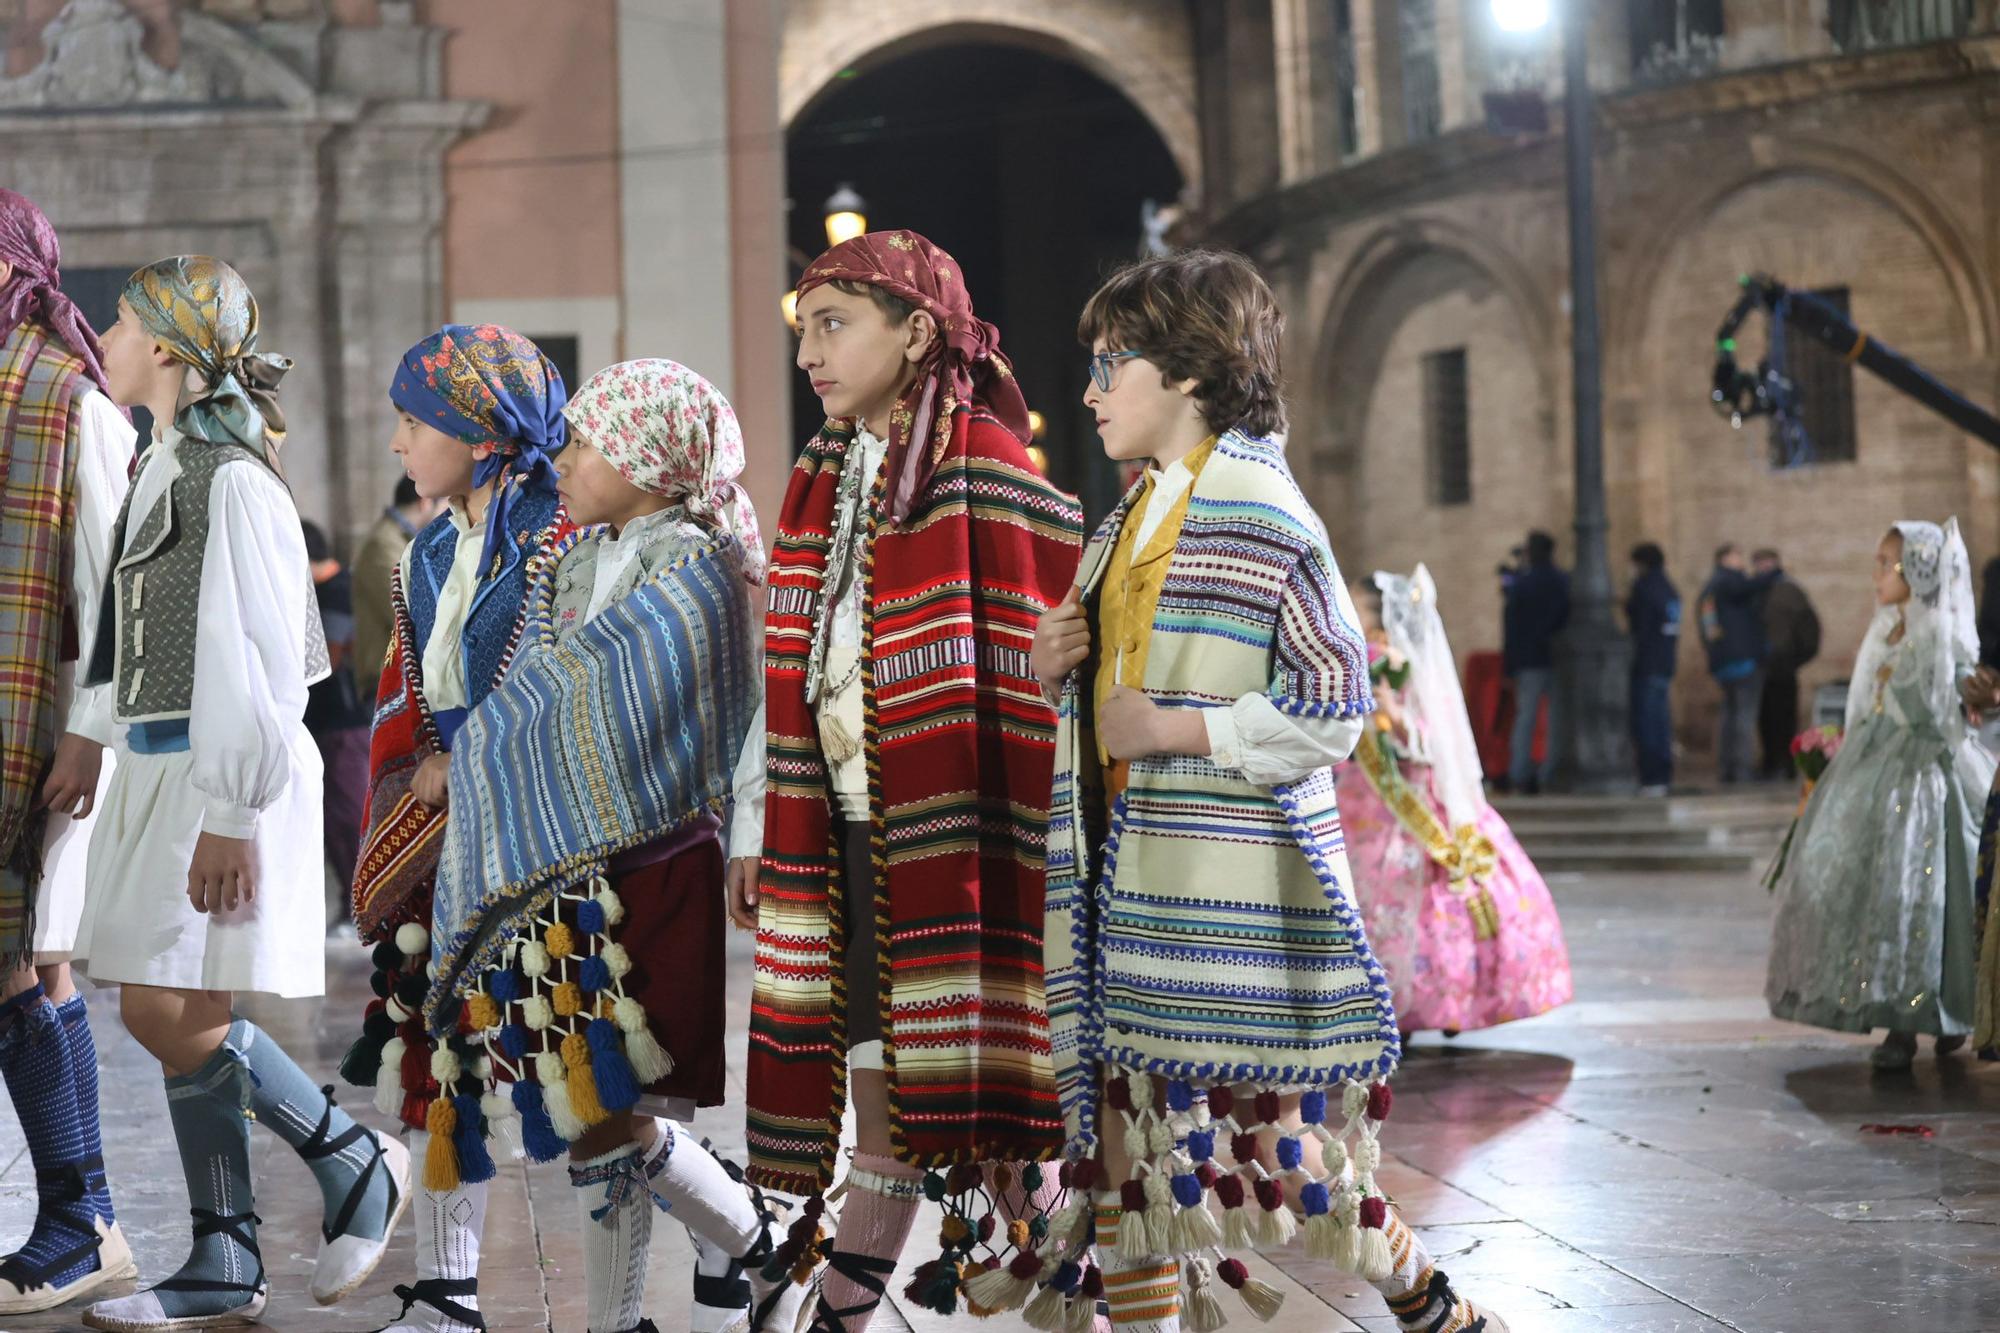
{"x": 670, "y": 432}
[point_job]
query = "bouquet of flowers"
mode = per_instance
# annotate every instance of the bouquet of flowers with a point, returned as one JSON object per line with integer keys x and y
{"x": 1813, "y": 750}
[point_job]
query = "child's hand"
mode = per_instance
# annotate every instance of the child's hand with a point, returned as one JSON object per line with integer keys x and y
{"x": 223, "y": 874}
{"x": 1128, "y": 724}
{"x": 71, "y": 787}
{"x": 1062, "y": 642}
{"x": 1981, "y": 689}
{"x": 740, "y": 888}
{"x": 429, "y": 784}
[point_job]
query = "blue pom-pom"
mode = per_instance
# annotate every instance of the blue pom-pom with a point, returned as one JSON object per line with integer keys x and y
{"x": 593, "y": 976}
{"x": 514, "y": 1041}
{"x": 1180, "y": 1095}
{"x": 590, "y": 917}
{"x": 538, "y": 1132}
{"x": 1313, "y": 1198}
{"x": 1201, "y": 1144}
{"x": 1187, "y": 1191}
{"x": 617, "y": 1089}
{"x": 1290, "y": 1154}
{"x": 504, "y": 986}
{"x": 474, "y": 1162}
{"x": 1068, "y": 1277}
{"x": 1312, "y": 1107}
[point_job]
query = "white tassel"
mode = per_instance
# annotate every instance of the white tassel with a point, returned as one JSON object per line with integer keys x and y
{"x": 1376, "y": 1262}
{"x": 1322, "y": 1238}
{"x": 999, "y": 1289}
{"x": 1195, "y": 1230}
{"x": 1067, "y": 1226}
{"x": 1045, "y": 1312}
{"x": 1347, "y": 1247}
{"x": 549, "y": 1072}
{"x": 503, "y": 1123}
{"x": 1276, "y": 1227}
{"x": 1081, "y": 1316}
{"x": 650, "y": 1062}
{"x": 1263, "y": 1299}
{"x": 1159, "y": 1214}
{"x": 1201, "y": 1312}
{"x": 389, "y": 1078}
{"x": 1135, "y": 1238}
{"x": 1236, "y": 1228}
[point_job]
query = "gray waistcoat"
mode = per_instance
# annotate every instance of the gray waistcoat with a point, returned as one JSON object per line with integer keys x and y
{"x": 146, "y": 625}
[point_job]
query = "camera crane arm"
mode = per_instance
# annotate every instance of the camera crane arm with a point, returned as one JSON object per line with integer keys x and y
{"x": 1740, "y": 394}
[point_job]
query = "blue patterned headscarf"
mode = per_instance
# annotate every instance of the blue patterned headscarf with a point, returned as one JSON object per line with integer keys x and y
{"x": 202, "y": 312}
{"x": 485, "y": 384}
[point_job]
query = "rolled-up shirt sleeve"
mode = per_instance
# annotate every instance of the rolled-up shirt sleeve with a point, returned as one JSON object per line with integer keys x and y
{"x": 1269, "y": 747}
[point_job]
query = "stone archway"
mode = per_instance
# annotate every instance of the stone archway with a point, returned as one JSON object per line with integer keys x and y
{"x": 1413, "y": 287}
{"x": 1143, "y": 49}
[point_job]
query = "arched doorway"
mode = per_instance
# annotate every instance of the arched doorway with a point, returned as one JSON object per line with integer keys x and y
{"x": 1028, "y": 168}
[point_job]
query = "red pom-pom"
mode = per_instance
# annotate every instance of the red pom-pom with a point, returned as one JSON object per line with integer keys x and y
{"x": 1374, "y": 1212}
{"x": 802, "y": 1230}
{"x": 1133, "y": 1195}
{"x": 1379, "y": 1101}
{"x": 991, "y": 1262}
{"x": 1026, "y": 1266}
{"x": 374, "y": 1007}
{"x": 986, "y": 1225}
{"x": 1229, "y": 1189}
{"x": 1208, "y": 1173}
{"x": 1221, "y": 1101}
{"x": 1119, "y": 1093}
{"x": 1065, "y": 1175}
{"x": 1271, "y": 1194}
{"x": 1093, "y": 1283}
{"x": 963, "y": 1177}
{"x": 1267, "y": 1108}
{"x": 1243, "y": 1147}
{"x": 1083, "y": 1174}
{"x": 1234, "y": 1273}
{"x": 815, "y": 1207}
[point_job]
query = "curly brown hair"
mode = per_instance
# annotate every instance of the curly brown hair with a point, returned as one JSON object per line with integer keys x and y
{"x": 1204, "y": 315}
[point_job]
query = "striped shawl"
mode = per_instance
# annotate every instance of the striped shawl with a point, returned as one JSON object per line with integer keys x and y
{"x": 1204, "y": 929}
{"x": 598, "y": 741}
{"x": 958, "y": 742}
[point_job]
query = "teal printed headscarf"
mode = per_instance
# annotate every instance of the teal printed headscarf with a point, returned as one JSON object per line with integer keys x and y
{"x": 202, "y": 312}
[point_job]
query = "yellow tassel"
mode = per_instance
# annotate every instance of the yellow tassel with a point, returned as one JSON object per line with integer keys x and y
{"x": 582, "y": 1083}
{"x": 441, "y": 1158}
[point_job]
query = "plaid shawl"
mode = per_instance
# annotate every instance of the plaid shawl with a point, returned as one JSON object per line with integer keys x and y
{"x": 959, "y": 748}
{"x": 39, "y": 379}
{"x": 598, "y": 742}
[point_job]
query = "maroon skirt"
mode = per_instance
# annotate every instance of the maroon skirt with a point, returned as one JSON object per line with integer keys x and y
{"x": 673, "y": 930}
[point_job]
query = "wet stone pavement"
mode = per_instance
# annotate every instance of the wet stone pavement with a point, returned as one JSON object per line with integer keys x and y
{"x": 1658, "y": 1157}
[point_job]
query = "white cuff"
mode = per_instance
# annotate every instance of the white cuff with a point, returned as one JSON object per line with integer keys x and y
{"x": 1222, "y": 737}
{"x": 226, "y": 819}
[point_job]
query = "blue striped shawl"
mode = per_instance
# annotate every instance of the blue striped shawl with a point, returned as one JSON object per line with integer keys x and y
{"x": 1203, "y": 928}
{"x": 606, "y": 739}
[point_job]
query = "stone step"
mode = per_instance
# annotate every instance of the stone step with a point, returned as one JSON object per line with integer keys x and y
{"x": 1573, "y": 859}
{"x": 1558, "y": 833}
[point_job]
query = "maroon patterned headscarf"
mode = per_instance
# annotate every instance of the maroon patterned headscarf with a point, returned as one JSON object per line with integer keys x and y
{"x": 965, "y": 364}
{"x": 28, "y": 242}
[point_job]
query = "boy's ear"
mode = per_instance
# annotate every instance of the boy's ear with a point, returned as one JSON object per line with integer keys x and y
{"x": 919, "y": 333}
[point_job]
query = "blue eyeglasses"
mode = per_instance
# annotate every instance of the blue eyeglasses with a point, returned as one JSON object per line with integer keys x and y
{"x": 1100, "y": 368}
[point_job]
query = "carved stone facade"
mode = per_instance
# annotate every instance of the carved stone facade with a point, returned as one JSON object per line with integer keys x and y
{"x": 1868, "y": 167}
{"x": 306, "y": 151}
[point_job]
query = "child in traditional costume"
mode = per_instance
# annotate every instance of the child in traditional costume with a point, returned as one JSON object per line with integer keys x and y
{"x": 64, "y": 449}
{"x": 1457, "y": 914}
{"x": 899, "y": 786}
{"x": 1874, "y": 927}
{"x": 1221, "y": 1029}
{"x": 478, "y": 425}
{"x": 205, "y": 870}
{"x": 579, "y": 916}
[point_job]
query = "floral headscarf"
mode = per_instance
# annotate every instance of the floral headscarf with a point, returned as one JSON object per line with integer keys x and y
{"x": 485, "y": 384}
{"x": 964, "y": 364}
{"x": 671, "y": 433}
{"x": 203, "y": 313}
